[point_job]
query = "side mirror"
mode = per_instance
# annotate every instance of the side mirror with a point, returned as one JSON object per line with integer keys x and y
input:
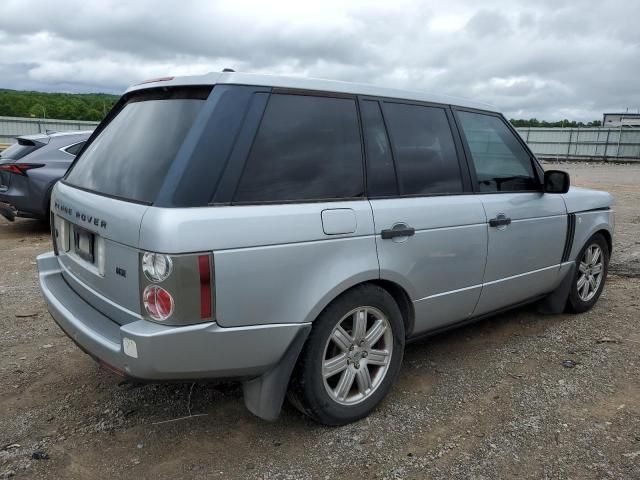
{"x": 556, "y": 181}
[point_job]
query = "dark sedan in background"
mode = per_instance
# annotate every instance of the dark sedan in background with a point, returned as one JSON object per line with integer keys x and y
{"x": 30, "y": 167}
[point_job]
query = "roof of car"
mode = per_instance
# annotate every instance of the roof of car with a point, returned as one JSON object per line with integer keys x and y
{"x": 314, "y": 84}
{"x": 42, "y": 136}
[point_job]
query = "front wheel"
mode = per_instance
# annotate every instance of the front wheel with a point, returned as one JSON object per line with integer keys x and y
{"x": 590, "y": 275}
{"x": 352, "y": 357}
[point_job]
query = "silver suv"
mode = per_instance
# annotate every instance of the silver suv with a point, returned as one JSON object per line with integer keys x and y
{"x": 294, "y": 234}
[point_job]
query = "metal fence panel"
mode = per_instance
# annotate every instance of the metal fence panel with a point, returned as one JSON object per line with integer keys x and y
{"x": 12, "y": 127}
{"x": 605, "y": 144}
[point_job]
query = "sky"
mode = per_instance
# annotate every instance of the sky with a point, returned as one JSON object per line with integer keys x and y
{"x": 548, "y": 59}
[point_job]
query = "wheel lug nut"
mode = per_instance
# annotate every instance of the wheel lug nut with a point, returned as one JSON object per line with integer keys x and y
{"x": 351, "y": 347}
{"x": 357, "y": 365}
{"x": 364, "y": 354}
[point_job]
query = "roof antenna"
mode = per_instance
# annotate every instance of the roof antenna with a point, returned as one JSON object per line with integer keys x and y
{"x": 228, "y": 70}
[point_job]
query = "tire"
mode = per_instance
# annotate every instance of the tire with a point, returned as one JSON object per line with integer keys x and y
{"x": 578, "y": 302}
{"x": 325, "y": 400}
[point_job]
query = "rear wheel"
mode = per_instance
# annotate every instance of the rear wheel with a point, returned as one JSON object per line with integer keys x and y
{"x": 590, "y": 275}
{"x": 352, "y": 357}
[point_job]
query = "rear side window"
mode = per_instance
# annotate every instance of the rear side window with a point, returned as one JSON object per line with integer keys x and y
{"x": 130, "y": 158}
{"x": 501, "y": 162}
{"x": 306, "y": 148}
{"x": 381, "y": 175}
{"x": 74, "y": 149}
{"x": 424, "y": 149}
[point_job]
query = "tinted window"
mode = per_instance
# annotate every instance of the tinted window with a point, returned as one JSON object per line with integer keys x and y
{"x": 381, "y": 175}
{"x": 501, "y": 162}
{"x": 19, "y": 149}
{"x": 306, "y": 148}
{"x": 132, "y": 155}
{"x": 424, "y": 149}
{"x": 74, "y": 149}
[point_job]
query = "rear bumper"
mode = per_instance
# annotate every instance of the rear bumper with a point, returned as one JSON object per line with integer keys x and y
{"x": 160, "y": 352}
{"x": 22, "y": 206}
{"x": 26, "y": 196}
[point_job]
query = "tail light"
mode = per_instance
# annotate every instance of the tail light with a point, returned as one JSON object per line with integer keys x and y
{"x": 205, "y": 286}
{"x": 158, "y": 302}
{"x": 153, "y": 80}
{"x": 156, "y": 267}
{"x": 20, "y": 168}
{"x": 55, "y": 233}
{"x": 177, "y": 289}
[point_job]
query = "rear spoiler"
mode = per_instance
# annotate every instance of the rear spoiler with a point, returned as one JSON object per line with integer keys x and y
{"x": 28, "y": 142}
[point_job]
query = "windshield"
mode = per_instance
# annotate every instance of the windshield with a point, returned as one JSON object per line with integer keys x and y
{"x": 130, "y": 158}
{"x": 18, "y": 150}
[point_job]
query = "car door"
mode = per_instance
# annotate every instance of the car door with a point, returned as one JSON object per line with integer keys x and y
{"x": 430, "y": 230}
{"x": 296, "y": 229}
{"x": 526, "y": 227}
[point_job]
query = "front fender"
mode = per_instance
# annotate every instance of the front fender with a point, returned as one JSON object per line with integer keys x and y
{"x": 587, "y": 224}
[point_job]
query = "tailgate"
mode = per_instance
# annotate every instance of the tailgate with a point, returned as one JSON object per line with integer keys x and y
{"x": 97, "y": 239}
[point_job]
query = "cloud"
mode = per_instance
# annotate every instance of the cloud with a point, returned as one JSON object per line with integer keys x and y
{"x": 545, "y": 59}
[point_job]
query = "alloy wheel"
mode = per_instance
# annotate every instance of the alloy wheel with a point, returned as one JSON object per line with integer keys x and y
{"x": 590, "y": 272}
{"x": 357, "y": 355}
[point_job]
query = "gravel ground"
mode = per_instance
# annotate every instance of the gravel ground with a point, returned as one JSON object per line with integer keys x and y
{"x": 491, "y": 400}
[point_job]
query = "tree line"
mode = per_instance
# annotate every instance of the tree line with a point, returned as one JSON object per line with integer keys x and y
{"x": 534, "y": 122}
{"x": 63, "y": 106}
{"x": 94, "y": 106}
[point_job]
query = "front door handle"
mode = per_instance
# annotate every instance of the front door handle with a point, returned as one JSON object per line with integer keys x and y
{"x": 397, "y": 231}
{"x": 500, "y": 221}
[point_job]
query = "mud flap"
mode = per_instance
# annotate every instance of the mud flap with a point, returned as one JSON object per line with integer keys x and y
{"x": 7, "y": 212}
{"x": 556, "y": 301}
{"x": 264, "y": 396}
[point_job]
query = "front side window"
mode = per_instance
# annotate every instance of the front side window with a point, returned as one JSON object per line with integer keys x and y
{"x": 424, "y": 149}
{"x": 502, "y": 164}
{"x": 306, "y": 148}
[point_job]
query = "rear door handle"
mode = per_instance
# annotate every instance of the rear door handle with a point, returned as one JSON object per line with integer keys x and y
{"x": 500, "y": 221}
{"x": 403, "y": 231}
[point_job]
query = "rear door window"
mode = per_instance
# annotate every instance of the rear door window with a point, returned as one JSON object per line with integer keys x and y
{"x": 424, "y": 149}
{"x": 307, "y": 148}
{"x": 501, "y": 163}
{"x": 130, "y": 158}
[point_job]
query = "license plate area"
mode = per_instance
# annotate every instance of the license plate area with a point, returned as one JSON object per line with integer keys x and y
{"x": 84, "y": 244}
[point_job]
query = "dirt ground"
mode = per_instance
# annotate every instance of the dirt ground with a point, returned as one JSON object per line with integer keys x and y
{"x": 491, "y": 400}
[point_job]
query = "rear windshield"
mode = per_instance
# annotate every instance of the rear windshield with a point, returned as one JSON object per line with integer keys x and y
{"x": 19, "y": 150}
{"x": 130, "y": 158}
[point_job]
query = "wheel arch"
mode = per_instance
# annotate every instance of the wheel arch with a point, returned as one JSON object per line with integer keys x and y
{"x": 399, "y": 294}
{"x": 608, "y": 238}
{"x": 587, "y": 225}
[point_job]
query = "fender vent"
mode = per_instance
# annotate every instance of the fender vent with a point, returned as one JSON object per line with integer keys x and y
{"x": 571, "y": 230}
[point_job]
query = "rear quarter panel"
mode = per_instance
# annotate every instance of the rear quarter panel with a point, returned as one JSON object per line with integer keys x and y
{"x": 273, "y": 263}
